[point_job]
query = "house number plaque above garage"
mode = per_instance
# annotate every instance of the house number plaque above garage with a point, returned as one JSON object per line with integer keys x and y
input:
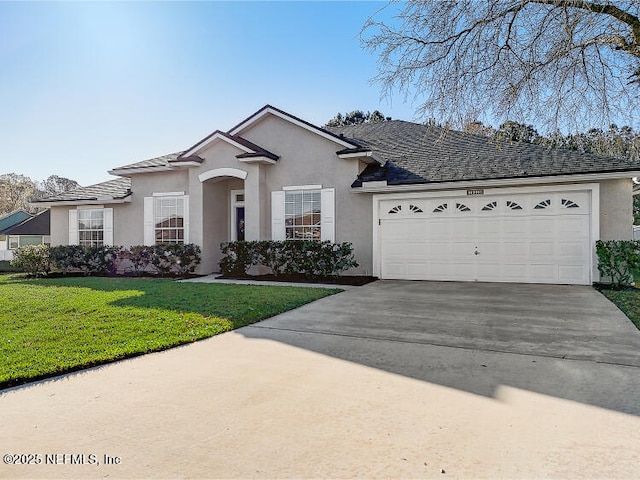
{"x": 475, "y": 191}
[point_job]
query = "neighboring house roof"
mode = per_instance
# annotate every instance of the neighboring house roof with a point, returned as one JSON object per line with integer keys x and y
{"x": 12, "y": 219}
{"x": 39, "y": 224}
{"x": 117, "y": 189}
{"x": 417, "y": 153}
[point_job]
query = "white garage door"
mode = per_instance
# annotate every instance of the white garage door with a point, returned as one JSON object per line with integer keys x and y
{"x": 531, "y": 238}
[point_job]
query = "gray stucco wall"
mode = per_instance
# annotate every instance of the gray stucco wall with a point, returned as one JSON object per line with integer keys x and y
{"x": 616, "y": 209}
{"x": 308, "y": 159}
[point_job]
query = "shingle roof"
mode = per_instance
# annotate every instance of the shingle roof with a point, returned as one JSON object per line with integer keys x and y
{"x": 37, "y": 225}
{"x": 117, "y": 189}
{"x": 12, "y": 219}
{"x": 162, "y": 161}
{"x": 417, "y": 153}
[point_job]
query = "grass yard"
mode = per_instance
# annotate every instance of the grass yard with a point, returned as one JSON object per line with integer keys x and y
{"x": 52, "y": 326}
{"x": 627, "y": 300}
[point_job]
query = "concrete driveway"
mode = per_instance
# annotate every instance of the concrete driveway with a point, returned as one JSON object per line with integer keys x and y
{"x": 390, "y": 380}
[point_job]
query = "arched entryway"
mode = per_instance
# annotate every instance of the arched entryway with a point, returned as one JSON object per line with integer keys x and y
{"x": 223, "y": 211}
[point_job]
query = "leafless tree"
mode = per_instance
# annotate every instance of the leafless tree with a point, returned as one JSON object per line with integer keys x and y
{"x": 15, "y": 192}
{"x": 556, "y": 63}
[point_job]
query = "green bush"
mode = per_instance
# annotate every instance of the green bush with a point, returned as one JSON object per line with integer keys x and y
{"x": 67, "y": 258}
{"x": 238, "y": 257}
{"x": 139, "y": 258}
{"x": 107, "y": 260}
{"x": 304, "y": 257}
{"x": 5, "y": 266}
{"x": 32, "y": 259}
{"x": 178, "y": 259}
{"x": 617, "y": 259}
{"x": 101, "y": 260}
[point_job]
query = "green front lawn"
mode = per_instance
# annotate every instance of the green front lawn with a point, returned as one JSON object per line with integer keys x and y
{"x": 51, "y": 326}
{"x": 627, "y": 300}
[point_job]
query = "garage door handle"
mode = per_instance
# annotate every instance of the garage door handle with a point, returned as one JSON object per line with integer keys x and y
{"x": 476, "y": 252}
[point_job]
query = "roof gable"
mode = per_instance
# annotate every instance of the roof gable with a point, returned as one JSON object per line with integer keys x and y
{"x": 249, "y": 149}
{"x": 270, "y": 110}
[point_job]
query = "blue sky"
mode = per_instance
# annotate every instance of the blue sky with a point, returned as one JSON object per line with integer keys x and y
{"x": 85, "y": 87}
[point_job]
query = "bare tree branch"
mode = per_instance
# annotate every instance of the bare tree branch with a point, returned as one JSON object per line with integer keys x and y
{"x": 562, "y": 63}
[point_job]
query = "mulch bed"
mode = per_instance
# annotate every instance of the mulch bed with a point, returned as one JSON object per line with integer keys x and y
{"x": 342, "y": 280}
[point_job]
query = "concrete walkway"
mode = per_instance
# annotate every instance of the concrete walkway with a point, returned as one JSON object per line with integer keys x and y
{"x": 335, "y": 389}
{"x": 214, "y": 279}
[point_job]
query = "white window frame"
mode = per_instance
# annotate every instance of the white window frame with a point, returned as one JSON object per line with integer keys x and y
{"x": 16, "y": 238}
{"x": 107, "y": 224}
{"x": 302, "y": 194}
{"x": 327, "y": 211}
{"x": 150, "y": 215}
{"x": 91, "y": 242}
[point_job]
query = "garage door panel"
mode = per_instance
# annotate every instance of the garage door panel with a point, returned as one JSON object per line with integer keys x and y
{"x": 574, "y": 225}
{"x": 489, "y": 251}
{"x": 438, "y": 250}
{"x": 542, "y": 249}
{"x": 463, "y": 226}
{"x": 438, "y": 228}
{"x": 489, "y": 227}
{"x": 513, "y": 249}
{"x": 514, "y": 272}
{"x": 573, "y": 274}
{"x": 575, "y": 250}
{"x": 417, "y": 269}
{"x": 394, "y": 270}
{"x": 463, "y": 270}
{"x": 462, "y": 249}
{"x": 543, "y": 227}
{"x": 515, "y": 226}
{"x": 440, "y": 270}
{"x": 533, "y": 237}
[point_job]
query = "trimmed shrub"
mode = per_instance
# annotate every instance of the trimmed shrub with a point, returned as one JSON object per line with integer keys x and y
{"x": 106, "y": 260}
{"x": 178, "y": 259}
{"x": 67, "y": 258}
{"x": 139, "y": 258}
{"x": 617, "y": 259}
{"x": 32, "y": 259}
{"x": 303, "y": 257}
{"x": 238, "y": 257}
{"x": 100, "y": 260}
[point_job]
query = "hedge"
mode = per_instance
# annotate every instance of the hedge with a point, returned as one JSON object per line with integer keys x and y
{"x": 175, "y": 259}
{"x": 305, "y": 257}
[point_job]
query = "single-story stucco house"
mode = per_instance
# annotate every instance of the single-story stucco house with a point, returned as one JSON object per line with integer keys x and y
{"x": 21, "y": 228}
{"x": 416, "y": 201}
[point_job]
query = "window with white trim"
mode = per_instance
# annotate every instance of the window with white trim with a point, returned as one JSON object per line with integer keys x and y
{"x": 302, "y": 215}
{"x": 91, "y": 227}
{"x": 168, "y": 219}
{"x": 14, "y": 242}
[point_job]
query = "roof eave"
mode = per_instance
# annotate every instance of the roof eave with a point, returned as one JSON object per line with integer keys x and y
{"x": 80, "y": 201}
{"x": 366, "y": 156}
{"x": 126, "y": 172}
{"x": 384, "y": 186}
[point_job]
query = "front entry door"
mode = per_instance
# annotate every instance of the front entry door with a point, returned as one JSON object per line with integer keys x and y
{"x": 237, "y": 215}
{"x": 239, "y": 223}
